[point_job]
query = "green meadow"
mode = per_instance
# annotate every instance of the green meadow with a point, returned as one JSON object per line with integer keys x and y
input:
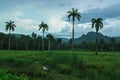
{"x": 59, "y": 65}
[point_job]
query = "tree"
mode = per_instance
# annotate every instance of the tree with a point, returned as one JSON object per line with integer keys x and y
{"x": 10, "y": 26}
{"x": 34, "y": 38}
{"x": 112, "y": 42}
{"x": 59, "y": 40}
{"x": 50, "y": 38}
{"x": 72, "y": 15}
{"x": 102, "y": 43}
{"x": 39, "y": 41}
{"x": 44, "y": 27}
{"x": 97, "y": 24}
{"x": 2, "y": 35}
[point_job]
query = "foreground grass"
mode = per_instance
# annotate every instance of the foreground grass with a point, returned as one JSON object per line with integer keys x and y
{"x": 86, "y": 65}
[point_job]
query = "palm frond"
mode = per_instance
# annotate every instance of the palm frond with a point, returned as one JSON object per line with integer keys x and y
{"x": 10, "y": 25}
{"x": 74, "y": 14}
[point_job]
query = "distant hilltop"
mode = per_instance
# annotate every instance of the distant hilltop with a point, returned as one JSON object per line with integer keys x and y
{"x": 91, "y": 37}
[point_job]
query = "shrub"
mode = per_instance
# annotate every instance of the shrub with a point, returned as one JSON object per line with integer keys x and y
{"x": 36, "y": 70}
{"x": 64, "y": 69}
{"x": 5, "y": 75}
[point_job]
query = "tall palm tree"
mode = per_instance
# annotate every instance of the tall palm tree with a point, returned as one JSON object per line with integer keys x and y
{"x": 10, "y": 26}
{"x": 34, "y": 38}
{"x": 97, "y": 24}
{"x": 73, "y": 15}
{"x": 50, "y": 38}
{"x": 44, "y": 27}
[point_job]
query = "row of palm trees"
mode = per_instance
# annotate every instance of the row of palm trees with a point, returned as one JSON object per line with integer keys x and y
{"x": 73, "y": 15}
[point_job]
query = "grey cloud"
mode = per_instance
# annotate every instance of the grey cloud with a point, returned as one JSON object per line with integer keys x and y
{"x": 108, "y": 12}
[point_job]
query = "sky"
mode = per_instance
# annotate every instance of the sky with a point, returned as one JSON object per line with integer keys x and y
{"x": 28, "y": 14}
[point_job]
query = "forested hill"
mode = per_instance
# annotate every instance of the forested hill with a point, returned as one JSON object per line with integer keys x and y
{"x": 91, "y": 37}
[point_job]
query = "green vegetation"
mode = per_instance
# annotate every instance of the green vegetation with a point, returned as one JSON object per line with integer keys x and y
{"x": 28, "y": 65}
{"x": 57, "y": 65}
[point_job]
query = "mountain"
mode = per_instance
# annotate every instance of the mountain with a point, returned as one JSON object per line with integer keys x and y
{"x": 65, "y": 40}
{"x": 91, "y": 37}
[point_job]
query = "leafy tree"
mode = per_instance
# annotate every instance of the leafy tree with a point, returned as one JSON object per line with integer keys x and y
{"x": 72, "y": 15}
{"x": 44, "y": 27}
{"x": 50, "y": 38}
{"x": 97, "y": 24}
{"x": 10, "y": 26}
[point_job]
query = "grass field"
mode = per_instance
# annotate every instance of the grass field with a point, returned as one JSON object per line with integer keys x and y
{"x": 61, "y": 65}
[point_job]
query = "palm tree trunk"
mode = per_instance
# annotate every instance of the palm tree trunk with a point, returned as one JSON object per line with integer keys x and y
{"x": 2, "y": 43}
{"x": 58, "y": 46}
{"x": 34, "y": 44}
{"x": 49, "y": 45}
{"x": 9, "y": 41}
{"x": 43, "y": 42}
{"x": 96, "y": 43}
{"x": 112, "y": 47}
{"x": 73, "y": 37}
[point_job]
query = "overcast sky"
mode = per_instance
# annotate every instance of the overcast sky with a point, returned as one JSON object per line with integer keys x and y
{"x": 28, "y": 14}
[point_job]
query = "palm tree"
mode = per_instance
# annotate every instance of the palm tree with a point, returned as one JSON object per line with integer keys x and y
{"x": 97, "y": 24}
{"x": 59, "y": 40}
{"x": 72, "y": 15}
{"x": 34, "y": 38}
{"x": 44, "y": 27}
{"x": 10, "y": 26}
{"x": 50, "y": 38}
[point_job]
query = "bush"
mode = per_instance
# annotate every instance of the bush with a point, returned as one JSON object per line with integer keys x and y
{"x": 5, "y": 75}
{"x": 64, "y": 69}
{"x": 36, "y": 70}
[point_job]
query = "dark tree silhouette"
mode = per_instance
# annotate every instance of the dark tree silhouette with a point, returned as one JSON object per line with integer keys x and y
{"x": 44, "y": 27}
{"x": 34, "y": 39}
{"x": 59, "y": 41}
{"x": 50, "y": 38}
{"x": 112, "y": 42}
{"x": 10, "y": 26}
{"x": 72, "y": 15}
{"x": 97, "y": 24}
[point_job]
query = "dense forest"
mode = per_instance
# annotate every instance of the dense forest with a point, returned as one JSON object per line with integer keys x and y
{"x": 34, "y": 42}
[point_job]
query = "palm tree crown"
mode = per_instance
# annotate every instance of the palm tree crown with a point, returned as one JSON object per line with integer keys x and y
{"x": 10, "y": 26}
{"x": 49, "y": 36}
{"x": 34, "y": 35}
{"x": 74, "y": 14}
{"x": 97, "y": 23}
{"x": 43, "y": 26}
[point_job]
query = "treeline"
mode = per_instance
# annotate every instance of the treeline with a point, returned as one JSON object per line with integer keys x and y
{"x": 27, "y": 42}
{"x": 34, "y": 42}
{"x": 102, "y": 46}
